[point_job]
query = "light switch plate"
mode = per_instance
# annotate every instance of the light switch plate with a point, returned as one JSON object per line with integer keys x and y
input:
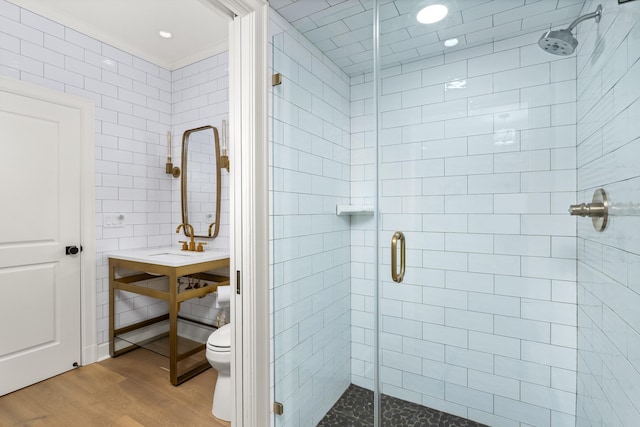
{"x": 112, "y": 220}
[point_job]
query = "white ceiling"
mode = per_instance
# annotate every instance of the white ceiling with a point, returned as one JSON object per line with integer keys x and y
{"x": 343, "y": 29}
{"x": 199, "y": 28}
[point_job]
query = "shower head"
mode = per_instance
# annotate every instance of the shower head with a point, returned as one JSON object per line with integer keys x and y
{"x": 558, "y": 42}
{"x": 562, "y": 42}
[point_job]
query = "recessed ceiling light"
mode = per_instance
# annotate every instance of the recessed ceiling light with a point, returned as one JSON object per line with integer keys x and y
{"x": 432, "y": 14}
{"x": 451, "y": 42}
{"x": 165, "y": 34}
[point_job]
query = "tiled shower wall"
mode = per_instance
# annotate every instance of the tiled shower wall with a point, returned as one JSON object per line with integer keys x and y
{"x": 477, "y": 169}
{"x": 310, "y": 244}
{"x": 133, "y": 100}
{"x": 609, "y": 262}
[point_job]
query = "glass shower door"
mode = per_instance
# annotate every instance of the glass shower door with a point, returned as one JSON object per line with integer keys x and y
{"x": 476, "y": 168}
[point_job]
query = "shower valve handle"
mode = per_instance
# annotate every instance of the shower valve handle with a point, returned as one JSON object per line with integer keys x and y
{"x": 597, "y": 210}
{"x": 592, "y": 210}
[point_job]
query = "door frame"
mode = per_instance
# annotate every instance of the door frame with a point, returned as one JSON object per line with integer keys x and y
{"x": 88, "y": 322}
{"x": 249, "y": 194}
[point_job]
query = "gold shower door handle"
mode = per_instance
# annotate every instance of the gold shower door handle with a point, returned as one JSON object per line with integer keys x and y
{"x": 397, "y": 236}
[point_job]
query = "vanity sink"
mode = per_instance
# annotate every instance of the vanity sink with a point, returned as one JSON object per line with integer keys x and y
{"x": 176, "y": 253}
{"x": 130, "y": 271}
{"x": 170, "y": 257}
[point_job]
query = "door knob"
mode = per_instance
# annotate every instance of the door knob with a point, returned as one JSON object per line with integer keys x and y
{"x": 597, "y": 210}
{"x": 72, "y": 250}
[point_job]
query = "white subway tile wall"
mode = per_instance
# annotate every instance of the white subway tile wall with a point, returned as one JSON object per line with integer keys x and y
{"x": 476, "y": 169}
{"x": 200, "y": 97}
{"x": 310, "y": 172}
{"x": 608, "y": 275}
{"x": 134, "y": 109}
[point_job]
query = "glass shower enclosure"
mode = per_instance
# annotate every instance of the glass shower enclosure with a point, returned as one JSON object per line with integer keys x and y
{"x": 424, "y": 267}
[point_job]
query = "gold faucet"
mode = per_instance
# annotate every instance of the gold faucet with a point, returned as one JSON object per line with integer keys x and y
{"x": 189, "y": 229}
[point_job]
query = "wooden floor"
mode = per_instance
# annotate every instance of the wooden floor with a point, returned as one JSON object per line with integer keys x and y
{"x": 131, "y": 390}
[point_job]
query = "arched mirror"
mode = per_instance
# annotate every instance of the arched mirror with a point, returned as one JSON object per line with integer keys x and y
{"x": 200, "y": 181}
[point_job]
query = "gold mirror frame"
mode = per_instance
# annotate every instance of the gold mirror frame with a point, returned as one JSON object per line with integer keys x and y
{"x": 214, "y": 227}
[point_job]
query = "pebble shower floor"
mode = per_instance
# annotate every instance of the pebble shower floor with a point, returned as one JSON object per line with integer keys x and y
{"x": 355, "y": 409}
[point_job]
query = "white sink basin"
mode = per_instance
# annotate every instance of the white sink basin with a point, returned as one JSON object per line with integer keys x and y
{"x": 170, "y": 257}
{"x": 177, "y": 253}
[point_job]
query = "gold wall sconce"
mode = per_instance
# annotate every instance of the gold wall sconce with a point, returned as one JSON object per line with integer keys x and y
{"x": 224, "y": 157}
{"x": 169, "y": 168}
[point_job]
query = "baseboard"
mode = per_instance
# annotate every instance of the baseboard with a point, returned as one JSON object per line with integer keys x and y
{"x": 103, "y": 351}
{"x": 89, "y": 354}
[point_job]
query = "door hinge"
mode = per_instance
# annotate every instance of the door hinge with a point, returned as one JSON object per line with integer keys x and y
{"x": 238, "y": 282}
{"x": 276, "y": 79}
{"x": 278, "y": 408}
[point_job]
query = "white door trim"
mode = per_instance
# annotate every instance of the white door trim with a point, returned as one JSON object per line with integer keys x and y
{"x": 248, "y": 118}
{"x": 89, "y": 350}
{"x": 235, "y": 196}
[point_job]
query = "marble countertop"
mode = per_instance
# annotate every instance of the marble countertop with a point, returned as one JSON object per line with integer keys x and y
{"x": 170, "y": 257}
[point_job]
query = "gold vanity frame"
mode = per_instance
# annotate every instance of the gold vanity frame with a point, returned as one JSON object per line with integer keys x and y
{"x": 172, "y": 296}
{"x": 214, "y": 227}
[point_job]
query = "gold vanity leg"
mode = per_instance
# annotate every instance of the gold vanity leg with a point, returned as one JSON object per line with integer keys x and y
{"x": 173, "y": 328}
{"x": 112, "y": 310}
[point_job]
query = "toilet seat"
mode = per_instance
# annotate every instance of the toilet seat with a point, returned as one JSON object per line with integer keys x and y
{"x": 220, "y": 340}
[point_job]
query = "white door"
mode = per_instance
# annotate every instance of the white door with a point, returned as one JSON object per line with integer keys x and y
{"x": 39, "y": 217}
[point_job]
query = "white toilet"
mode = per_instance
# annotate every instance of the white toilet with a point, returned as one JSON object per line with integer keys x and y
{"x": 219, "y": 356}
